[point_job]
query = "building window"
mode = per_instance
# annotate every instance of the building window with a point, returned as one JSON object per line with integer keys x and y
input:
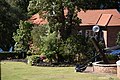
{"x": 98, "y": 36}
{"x": 89, "y": 33}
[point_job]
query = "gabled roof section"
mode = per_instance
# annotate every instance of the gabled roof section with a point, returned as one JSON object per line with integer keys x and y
{"x": 89, "y": 17}
{"x": 104, "y": 19}
{"x": 92, "y": 17}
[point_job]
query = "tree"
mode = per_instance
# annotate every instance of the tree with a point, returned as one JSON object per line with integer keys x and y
{"x": 23, "y": 36}
{"x": 38, "y": 35}
{"x": 61, "y": 26}
{"x": 7, "y": 26}
{"x": 53, "y": 11}
{"x": 62, "y": 22}
{"x": 55, "y": 14}
{"x": 11, "y": 12}
{"x": 19, "y": 7}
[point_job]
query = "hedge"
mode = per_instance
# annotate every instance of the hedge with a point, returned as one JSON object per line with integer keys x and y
{"x": 12, "y": 55}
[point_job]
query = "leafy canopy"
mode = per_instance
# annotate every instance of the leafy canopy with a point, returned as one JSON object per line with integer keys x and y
{"x": 23, "y": 36}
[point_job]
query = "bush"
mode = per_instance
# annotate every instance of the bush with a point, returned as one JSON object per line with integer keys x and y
{"x": 78, "y": 46}
{"x": 33, "y": 60}
{"x": 22, "y": 36}
{"x": 58, "y": 50}
{"x": 38, "y": 33}
{"x": 112, "y": 58}
{"x": 12, "y": 55}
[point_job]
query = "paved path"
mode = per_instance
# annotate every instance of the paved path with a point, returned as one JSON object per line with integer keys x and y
{"x": 89, "y": 70}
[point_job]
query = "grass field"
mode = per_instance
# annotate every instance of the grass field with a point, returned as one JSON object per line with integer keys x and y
{"x": 22, "y": 71}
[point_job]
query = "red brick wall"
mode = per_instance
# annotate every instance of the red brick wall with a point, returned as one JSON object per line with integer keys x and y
{"x": 105, "y": 69}
{"x": 112, "y": 35}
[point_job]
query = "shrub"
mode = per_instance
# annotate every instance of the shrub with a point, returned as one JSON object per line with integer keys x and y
{"x": 80, "y": 46}
{"x": 33, "y": 60}
{"x": 12, "y": 55}
{"x": 22, "y": 36}
{"x": 57, "y": 49}
{"x": 112, "y": 58}
{"x": 38, "y": 33}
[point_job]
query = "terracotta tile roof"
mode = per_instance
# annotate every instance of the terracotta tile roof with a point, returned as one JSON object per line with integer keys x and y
{"x": 106, "y": 17}
{"x": 89, "y": 17}
{"x": 92, "y": 17}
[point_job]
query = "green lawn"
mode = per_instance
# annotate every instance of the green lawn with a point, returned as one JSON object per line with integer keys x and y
{"x": 22, "y": 71}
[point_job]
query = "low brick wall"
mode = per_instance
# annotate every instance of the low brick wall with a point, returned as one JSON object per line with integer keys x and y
{"x": 104, "y": 68}
{"x": 118, "y": 69}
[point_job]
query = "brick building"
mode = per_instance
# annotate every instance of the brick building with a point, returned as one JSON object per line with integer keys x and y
{"x": 107, "y": 19}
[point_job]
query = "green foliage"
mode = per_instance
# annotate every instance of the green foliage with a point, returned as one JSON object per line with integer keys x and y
{"x": 46, "y": 41}
{"x": 78, "y": 45}
{"x": 7, "y": 25}
{"x": 37, "y": 33}
{"x": 10, "y": 15}
{"x": 59, "y": 50}
{"x": 61, "y": 41}
{"x": 73, "y": 45}
{"x": 112, "y": 58}
{"x": 34, "y": 59}
{"x": 12, "y": 11}
{"x": 19, "y": 5}
{"x": 60, "y": 26}
{"x": 51, "y": 45}
{"x": 55, "y": 15}
{"x": 22, "y": 36}
{"x": 10, "y": 55}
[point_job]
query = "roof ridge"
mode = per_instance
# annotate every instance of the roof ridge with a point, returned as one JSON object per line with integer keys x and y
{"x": 101, "y": 9}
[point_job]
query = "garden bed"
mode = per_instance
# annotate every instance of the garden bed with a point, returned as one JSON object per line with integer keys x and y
{"x": 44, "y": 64}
